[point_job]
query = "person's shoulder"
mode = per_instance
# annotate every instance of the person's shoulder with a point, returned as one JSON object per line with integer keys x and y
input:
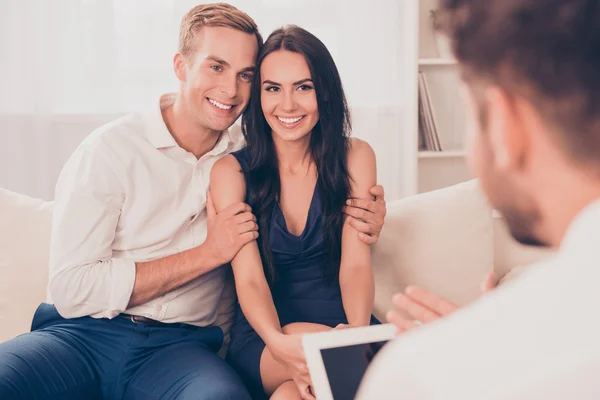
{"x": 360, "y": 152}
{"x": 242, "y": 157}
{"x": 515, "y": 321}
{"x": 114, "y": 133}
{"x": 105, "y": 142}
{"x": 240, "y": 153}
{"x": 226, "y": 167}
{"x": 359, "y": 146}
{"x": 362, "y": 164}
{"x": 227, "y": 179}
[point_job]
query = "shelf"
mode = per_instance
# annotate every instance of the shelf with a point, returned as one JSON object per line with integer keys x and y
{"x": 436, "y": 61}
{"x": 442, "y": 154}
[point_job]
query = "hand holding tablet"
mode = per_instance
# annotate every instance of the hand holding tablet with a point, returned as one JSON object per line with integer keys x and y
{"x": 338, "y": 359}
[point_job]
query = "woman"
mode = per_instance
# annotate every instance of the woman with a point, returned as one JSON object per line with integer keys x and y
{"x": 309, "y": 271}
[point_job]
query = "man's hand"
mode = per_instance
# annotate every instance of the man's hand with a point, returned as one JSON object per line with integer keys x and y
{"x": 229, "y": 231}
{"x": 367, "y": 216}
{"x": 425, "y": 307}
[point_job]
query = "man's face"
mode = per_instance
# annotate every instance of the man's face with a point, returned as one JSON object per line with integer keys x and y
{"x": 495, "y": 158}
{"x": 215, "y": 80}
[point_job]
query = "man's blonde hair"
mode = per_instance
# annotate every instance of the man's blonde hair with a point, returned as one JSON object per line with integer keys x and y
{"x": 217, "y": 14}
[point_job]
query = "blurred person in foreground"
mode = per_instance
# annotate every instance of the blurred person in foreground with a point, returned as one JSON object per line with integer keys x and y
{"x": 530, "y": 69}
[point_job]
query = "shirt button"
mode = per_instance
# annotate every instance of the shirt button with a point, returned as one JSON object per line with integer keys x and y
{"x": 158, "y": 308}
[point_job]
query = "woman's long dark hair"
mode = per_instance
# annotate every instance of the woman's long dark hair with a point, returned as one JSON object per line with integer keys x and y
{"x": 329, "y": 145}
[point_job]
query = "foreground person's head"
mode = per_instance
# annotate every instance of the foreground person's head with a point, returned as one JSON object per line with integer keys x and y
{"x": 531, "y": 69}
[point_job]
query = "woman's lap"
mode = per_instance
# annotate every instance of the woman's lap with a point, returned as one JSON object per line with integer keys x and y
{"x": 245, "y": 357}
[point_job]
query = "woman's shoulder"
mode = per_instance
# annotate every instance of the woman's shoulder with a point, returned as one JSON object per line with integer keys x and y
{"x": 243, "y": 152}
{"x": 242, "y": 158}
{"x": 360, "y": 152}
{"x": 227, "y": 178}
{"x": 362, "y": 167}
{"x": 226, "y": 167}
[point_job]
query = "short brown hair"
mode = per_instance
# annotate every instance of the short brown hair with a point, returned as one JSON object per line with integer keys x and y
{"x": 546, "y": 51}
{"x": 218, "y": 14}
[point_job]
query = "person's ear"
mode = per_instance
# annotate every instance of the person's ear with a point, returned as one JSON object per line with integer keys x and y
{"x": 508, "y": 134}
{"x": 180, "y": 66}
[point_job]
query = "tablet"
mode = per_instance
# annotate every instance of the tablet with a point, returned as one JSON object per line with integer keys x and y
{"x": 338, "y": 359}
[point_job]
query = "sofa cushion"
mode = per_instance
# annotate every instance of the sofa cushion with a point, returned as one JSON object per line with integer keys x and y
{"x": 24, "y": 250}
{"x": 440, "y": 240}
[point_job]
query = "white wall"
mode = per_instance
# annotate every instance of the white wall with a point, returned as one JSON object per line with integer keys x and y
{"x": 70, "y": 65}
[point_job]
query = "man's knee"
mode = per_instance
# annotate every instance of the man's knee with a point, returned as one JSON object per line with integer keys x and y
{"x": 13, "y": 377}
{"x": 40, "y": 366}
{"x": 9, "y": 392}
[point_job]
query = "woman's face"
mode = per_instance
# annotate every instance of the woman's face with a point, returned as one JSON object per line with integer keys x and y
{"x": 288, "y": 98}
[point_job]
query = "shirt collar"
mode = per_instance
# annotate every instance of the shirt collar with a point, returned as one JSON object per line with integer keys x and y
{"x": 156, "y": 129}
{"x": 160, "y": 137}
{"x": 231, "y": 140}
{"x": 583, "y": 231}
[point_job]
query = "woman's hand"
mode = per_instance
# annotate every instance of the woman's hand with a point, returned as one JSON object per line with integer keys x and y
{"x": 342, "y": 326}
{"x": 288, "y": 351}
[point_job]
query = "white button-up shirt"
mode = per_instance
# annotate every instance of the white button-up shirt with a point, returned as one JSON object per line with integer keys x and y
{"x": 129, "y": 193}
{"x": 536, "y": 337}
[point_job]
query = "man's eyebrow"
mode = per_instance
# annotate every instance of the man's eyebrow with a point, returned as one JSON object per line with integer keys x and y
{"x": 226, "y": 64}
{"x": 218, "y": 60}
{"x": 294, "y": 84}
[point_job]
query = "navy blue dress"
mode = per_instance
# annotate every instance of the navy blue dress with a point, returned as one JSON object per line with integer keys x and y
{"x": 302, "y": 292}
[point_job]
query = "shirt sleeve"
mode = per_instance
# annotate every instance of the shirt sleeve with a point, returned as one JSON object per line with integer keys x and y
{"x": 85, "y": 279}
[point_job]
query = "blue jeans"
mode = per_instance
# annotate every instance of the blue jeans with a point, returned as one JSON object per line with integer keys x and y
{"x": 87, "y": 358}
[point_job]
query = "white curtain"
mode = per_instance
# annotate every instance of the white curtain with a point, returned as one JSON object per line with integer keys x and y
{"x": 68, "y": 66}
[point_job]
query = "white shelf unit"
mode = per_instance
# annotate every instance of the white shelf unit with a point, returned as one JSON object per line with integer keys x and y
{"x": 442, "y": 154}
{"x": 422, "y": 170}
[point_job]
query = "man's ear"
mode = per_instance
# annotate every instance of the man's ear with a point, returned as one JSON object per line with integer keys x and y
{"x": 179, "y": 65}
{"x": 508, "y": 135}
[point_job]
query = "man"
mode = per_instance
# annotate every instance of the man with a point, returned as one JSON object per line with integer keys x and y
{"x": 531, "y": 71}
{"x": 142, "y": 303}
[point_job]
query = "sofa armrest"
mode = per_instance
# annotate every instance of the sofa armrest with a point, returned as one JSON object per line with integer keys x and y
{"x": 24, "y": 249}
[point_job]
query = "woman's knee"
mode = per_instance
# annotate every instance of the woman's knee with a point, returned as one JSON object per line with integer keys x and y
{"x": 286, "y": 391}
{"x": 304, "y": 327}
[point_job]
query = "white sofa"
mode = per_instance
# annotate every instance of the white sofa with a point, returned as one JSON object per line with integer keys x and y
{"x": 445, "y": 240}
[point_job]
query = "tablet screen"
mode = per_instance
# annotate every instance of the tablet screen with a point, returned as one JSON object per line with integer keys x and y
{"x": 346, "y": 365}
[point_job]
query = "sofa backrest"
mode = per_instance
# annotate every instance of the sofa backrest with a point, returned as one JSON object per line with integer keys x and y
{"x": 440, "y": 240}
{"x": 445, "y": 241}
